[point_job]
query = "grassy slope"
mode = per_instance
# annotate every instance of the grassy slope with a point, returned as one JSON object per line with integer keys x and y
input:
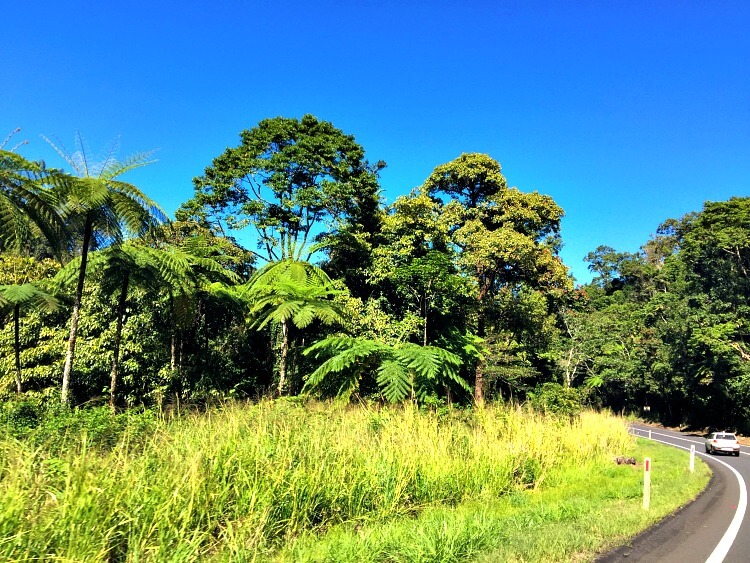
{"x": 283, "y": 481}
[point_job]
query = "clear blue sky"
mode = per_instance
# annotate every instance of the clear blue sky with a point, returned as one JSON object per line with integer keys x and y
{"x": 626, "y": 113}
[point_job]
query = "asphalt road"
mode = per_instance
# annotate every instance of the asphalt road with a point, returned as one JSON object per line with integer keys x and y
{"x": 714, "y": 528}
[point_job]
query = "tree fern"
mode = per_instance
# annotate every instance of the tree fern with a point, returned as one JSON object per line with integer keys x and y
{"x": 290, "y": 292}
{"x": 402, "y": 371}
{"x": 105, "y": 210}
{"x": 27, "y": 204}
{"x": 14, "y": 298}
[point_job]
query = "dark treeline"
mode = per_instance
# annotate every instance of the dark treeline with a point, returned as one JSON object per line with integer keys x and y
{"x": 285, "y": 274}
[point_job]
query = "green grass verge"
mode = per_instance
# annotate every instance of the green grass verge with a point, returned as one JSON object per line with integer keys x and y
{"x": 578, "y": 513}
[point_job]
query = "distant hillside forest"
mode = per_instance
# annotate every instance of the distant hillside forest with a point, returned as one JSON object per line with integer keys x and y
{"x": 285, "y": 274}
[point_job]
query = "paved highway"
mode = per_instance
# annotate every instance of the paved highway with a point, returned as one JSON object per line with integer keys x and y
{"x": 714, "y": 528}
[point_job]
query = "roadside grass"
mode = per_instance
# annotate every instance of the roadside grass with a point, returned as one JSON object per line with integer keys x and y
{"x": 291, "y": 481}
{"x": 580, "y": 512}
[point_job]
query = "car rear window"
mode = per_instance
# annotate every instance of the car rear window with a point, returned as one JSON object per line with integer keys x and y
{"x": 725, "y": 437}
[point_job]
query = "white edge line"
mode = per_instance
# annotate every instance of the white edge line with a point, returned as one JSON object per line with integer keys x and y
{"x": 676, "y": 438}
{"x": 726, "y": 541}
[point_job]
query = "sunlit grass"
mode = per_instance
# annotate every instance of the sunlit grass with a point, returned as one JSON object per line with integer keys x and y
{"x": 282, "y": 480}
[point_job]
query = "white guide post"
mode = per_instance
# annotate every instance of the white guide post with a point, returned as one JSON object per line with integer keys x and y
{"x": 692, "y": 458}
{"x": 646, "y": 483}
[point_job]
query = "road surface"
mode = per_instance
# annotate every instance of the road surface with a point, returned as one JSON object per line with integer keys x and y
{"x": 713, "y": 528}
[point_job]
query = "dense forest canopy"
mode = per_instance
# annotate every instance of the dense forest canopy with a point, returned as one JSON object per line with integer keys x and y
{"x": 453, "y": 293}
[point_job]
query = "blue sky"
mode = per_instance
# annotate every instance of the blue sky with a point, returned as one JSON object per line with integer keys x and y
{"x": 626, "y": 113}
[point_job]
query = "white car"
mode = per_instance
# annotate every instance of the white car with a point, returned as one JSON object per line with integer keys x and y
{"x": 722, "y": 442}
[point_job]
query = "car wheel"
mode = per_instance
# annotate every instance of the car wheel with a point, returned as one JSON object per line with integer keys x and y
{"x": 737, "y": 454}
{"x": 711, "y": 450}
{"x": 707, "y": 450}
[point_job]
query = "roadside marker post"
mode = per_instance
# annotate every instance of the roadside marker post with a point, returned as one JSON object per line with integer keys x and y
{"x": 649, "y": 434}
{"x": 692, "y": 458}
{"x": 646, "y": 483}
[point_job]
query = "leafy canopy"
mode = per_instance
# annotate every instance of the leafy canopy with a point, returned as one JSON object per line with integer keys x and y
{"x": 289, "y": 180}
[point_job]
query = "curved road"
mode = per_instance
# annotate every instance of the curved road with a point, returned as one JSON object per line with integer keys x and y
{"x": 714, "y": 528}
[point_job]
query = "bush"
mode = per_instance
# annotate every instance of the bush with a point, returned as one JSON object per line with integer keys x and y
{"x": 554, "y": 399}
{"x": 19, "y": 417}
{"x": 40, "y": 421}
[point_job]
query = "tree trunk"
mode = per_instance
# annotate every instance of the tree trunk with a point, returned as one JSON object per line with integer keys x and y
{"x": 173, "y": 342}
{"x": 179, "y": 361}
{"x": 17, "y": 343}
{"x": 88, "y": 231}
{"x": 479, "y": 373}
{"x": 283, "y": 355}
{"x": 479, "y": 384}
{"x": 118, "y": 338}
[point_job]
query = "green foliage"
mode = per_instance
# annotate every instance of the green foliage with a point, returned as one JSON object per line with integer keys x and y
{"x": 555, "y": 399}
{"x": 27, "y": 205}
{"x": 404, "y": 371}
{"x": 291, "y": 291}
{"x": 286, "y": 180}
{"x": 464, "y": 262}
{"x": 667, "y": 327}
{"x": 472, "y": 178}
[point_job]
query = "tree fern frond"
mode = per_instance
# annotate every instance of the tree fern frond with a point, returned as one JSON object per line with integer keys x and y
{"x": 333, "y": 345}
{"x": 304, "y": 316}
{"x": 109, "y": 158}
{"x": 280, "y": 313}
{"x": 117, "y": 168}
{"x": 27, "y": 294}
{"x": 346, "y": 352}
{"x": 65, "y": 155}
{"x": 394, "y": 381}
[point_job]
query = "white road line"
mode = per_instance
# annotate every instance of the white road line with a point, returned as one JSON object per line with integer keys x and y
{"x": 721, "y": 550}
{"x": 677, "y": 438}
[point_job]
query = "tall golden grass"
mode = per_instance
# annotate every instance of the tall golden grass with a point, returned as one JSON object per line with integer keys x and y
{"x": 248, "y": 478}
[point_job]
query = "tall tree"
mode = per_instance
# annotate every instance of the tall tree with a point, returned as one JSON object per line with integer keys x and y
{"x": 505, "y": 238}
{"x": 290, "y": 181}
{"x": 416, "y": 262}
{"x": 104, "y": 209}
